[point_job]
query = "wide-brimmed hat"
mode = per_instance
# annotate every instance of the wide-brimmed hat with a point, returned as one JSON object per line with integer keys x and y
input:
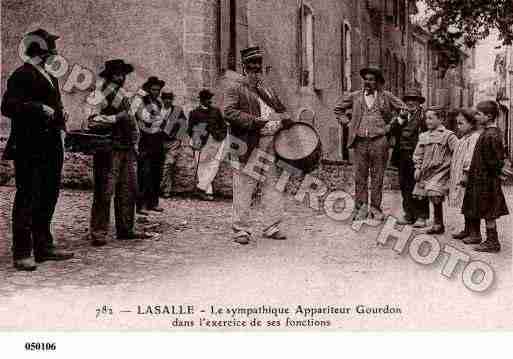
{"x": 205, "y": 94}
{"x": 34, "y": 42}
{"x": 116, "y": 66}
{"x": 376, "y": 71}
{"x": 414, "y": 94}
{"x": 153, "y": 80}
{"x": 251, "y": 54}
{"x": 167, "y": 95}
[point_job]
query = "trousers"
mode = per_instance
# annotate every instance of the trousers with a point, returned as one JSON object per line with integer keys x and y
{"x": 149, "y": 174}
{"x": 115, "y": 173}
{"x": 413, "y": 208}
{"x": 244, "y": 187}
{"x": 370, "y": 158}
{"x": 209, "y": 160}
{"x": 37, "y": 191}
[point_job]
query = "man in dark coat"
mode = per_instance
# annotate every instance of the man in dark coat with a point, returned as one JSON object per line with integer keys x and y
{"x": 371, "y": 110}
{"x": 151, "y": 148}
{"x": 33, "y": 103}
{"x": 207, "y": 130}
{"x": 115, "y": 171}
{"x": 406, "y": 129}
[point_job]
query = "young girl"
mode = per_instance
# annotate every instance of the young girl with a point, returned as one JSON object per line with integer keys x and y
{"x": 432, "y": 159}
{"x": 467, "y": 126}
{"x": 484, "y": 198}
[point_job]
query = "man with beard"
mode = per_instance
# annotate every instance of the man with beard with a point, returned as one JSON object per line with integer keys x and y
{"x": 255, "y": 115}
{"x": 33, "y": 103}
{"x": 115, "y": 172}
{"x": 371, "y": 111}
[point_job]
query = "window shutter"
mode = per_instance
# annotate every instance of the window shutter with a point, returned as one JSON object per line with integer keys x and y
{"x": 224, "y": 33}
{"x": 322, "y": 45}
{"x": 343, "y": 56}
{"x": 355, "y": 59}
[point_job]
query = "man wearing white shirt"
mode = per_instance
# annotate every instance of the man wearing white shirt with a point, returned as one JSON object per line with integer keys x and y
{"x": 371, "y": 110}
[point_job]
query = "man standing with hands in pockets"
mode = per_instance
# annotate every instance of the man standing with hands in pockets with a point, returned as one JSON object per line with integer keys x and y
{"x": 371, "y": 111}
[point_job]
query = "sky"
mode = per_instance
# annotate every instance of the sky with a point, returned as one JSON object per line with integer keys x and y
{"x": 485, "y": 56}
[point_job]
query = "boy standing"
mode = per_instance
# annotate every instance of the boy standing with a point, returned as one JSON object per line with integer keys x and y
{"x": 432, "y": 158}
{"x": 484, "y": 198}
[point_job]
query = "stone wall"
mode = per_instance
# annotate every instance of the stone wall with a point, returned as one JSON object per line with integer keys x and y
{"x": 173, "y": 39}
{"x": 78, "y": 174}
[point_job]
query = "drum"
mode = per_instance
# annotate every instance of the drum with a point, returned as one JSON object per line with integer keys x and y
{"x": 299, "y": 145}
{"x": 86, "y": 142}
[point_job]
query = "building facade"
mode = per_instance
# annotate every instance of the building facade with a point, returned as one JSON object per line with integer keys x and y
{"x": 314, "y": 49}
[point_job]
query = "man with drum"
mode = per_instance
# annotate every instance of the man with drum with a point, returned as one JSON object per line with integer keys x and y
{"x": 254, "y": 115}
{"x": 369, "y": 113}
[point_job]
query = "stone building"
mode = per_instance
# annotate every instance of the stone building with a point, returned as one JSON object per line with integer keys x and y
{"x": 314, "y": 48}
{"x": 442, "y": 84}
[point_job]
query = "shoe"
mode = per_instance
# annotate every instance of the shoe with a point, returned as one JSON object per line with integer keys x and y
{"x": 436, "y": 229}
{"x": 142, "y": 212}
{"x": 25, "y": 264}
{"x": 204, "y": 195}
{"x": 143, "y": 220}
{"x": 97, "y": 242}
{"x": 465, "y": 232}
{"x": 491, "y": 244}
{"x": 488, "y": 247}
{"x": 473, "y": 239}
{"x": 242, "y": 238}
{"x": 377, "y": 216}
{"x": 278, "y": 235}
{"x": 156, "y": 209}
{"x": 405, "y": 221}
{"x": 134, "y": 235}
{"x": 474, "y": 236}
{"x": 420, "y": 223}
{"x": 54, "y": 255}
{"x": 360, "y": 215}
{"x": 461, "y": 235}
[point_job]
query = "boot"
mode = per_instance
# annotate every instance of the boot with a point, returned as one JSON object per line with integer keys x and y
{"x": 491, "y": 244}
{"x": 465, "y": 232}
{"x": 438, "y": 225}
{"x": 475, "y": 233}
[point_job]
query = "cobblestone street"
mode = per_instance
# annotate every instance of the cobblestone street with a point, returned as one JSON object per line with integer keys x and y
{"x": 194, "y": 261}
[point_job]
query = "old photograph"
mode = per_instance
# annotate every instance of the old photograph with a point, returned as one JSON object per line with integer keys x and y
{"x": 256, "y": 165}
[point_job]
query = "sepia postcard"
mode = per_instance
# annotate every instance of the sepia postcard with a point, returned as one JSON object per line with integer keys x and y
{"x": 255, "y": 166}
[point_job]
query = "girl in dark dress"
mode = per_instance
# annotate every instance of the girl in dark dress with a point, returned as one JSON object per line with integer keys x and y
{"x": 484, "y": 198}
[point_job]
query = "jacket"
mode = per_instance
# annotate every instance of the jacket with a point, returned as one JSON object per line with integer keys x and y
{"x": 432, "y": 157}
{"x": 32, "y": 132}
{"x": 208, "y": 122}
{"x": 241, "y": 109}
{"x": 354, "y": 102}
